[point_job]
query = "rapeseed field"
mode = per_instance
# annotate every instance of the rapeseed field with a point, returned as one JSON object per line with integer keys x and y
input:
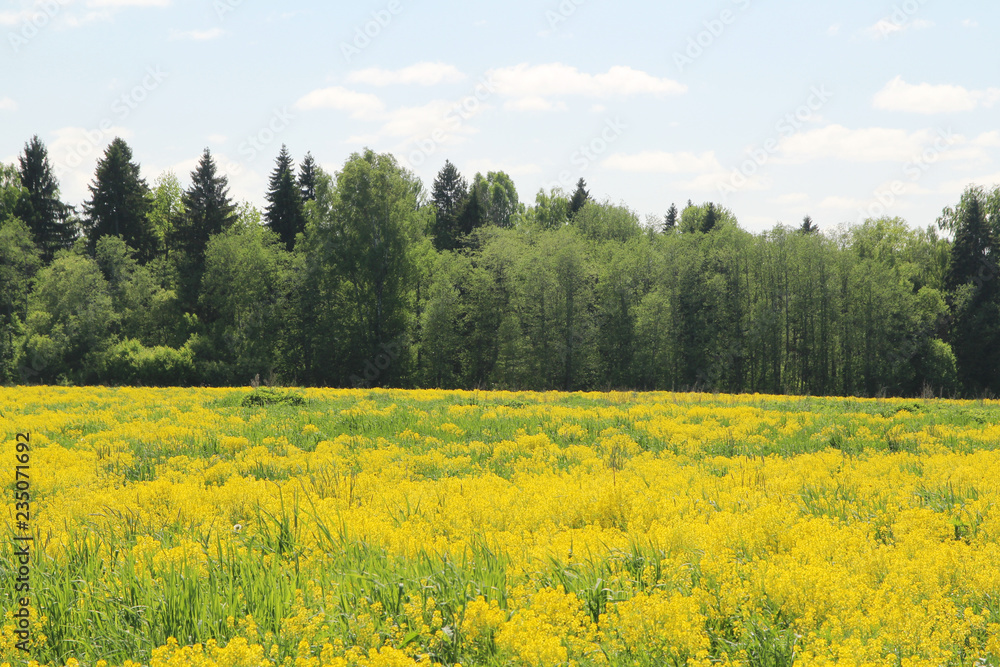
{"x": 382, "y": 528}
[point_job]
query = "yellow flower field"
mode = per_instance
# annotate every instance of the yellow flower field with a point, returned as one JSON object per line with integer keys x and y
{"x": 224, "y": 527}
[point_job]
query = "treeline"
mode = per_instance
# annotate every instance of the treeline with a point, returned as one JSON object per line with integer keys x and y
{"x": 363, "y": 278}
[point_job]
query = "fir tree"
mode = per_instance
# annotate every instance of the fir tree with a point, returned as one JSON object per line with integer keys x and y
{"x": 208, "y": 209}
{"x": 49, "y": 220}
{"x": 284, "y": 213}
{"x": 119, "y": 202}
{"x": 710, "y": 219}
{"x": 670, "y": 219}
{"x": 307, "y": 178}
{"x": 449, "y": 197}
{"x": 580, "y": 197}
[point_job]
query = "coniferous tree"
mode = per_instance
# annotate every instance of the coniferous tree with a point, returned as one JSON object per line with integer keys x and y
{"x": 208, "y": 210}
{"x": 711, "y": 217}
{"x": 449, "y": 198}
{"x": 974, "y": 245}
{"x": 580, "y": 197}
{"x": 975, "y": 295}
{"x": 307, "y": 178}
{"x": 119, "y": 202}
{"x": 808, "y": 226}
{"x": 284, "y": 214}
{"x": 49, "y": 220}
{"x": 670, "y": 219}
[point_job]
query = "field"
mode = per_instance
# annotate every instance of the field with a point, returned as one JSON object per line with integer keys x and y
{"x": 392, "y": 528}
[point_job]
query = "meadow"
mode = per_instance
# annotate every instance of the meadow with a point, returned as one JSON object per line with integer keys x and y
{"x": 385, "y": 528}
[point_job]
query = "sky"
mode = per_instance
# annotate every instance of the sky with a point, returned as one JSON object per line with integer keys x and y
{"x": 837, "y": 109}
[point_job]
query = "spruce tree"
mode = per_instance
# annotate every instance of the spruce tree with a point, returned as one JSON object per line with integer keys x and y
{"x": 808, "y": 226}
{"x": 307, "y": 178}
{"x": 284, "y": 214}
{"x": 974, "y": 248}
{"x": 119, "y": 202}
{"x": 208, "y": 210}
{"x": 449, "y": 197}
{"x": 580, "y": 197}
{"x": 711, "y": 218}
{"x": 975, "y": 296}
{"x": 50, "y": 221}
{"x": 670, "y": 219}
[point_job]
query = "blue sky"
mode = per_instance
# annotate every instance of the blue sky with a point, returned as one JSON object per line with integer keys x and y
{"x": 775, "y": 109}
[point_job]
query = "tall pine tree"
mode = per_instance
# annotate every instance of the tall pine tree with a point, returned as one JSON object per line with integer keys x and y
{"x": 307, "y": 178}
{"x": 670, "y": 219}
{"x": 973, "y": 276}
{"x": 208, "y": 210}
{"x": 119, "y": 202}
{"x": 49, "y": 220}
{"x": 284, "y": 213}
{"x": 580, "y": 197}
{"x": 449, "y": 196}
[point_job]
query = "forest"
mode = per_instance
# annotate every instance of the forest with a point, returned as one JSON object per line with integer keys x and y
{"x": 364, "y": 278}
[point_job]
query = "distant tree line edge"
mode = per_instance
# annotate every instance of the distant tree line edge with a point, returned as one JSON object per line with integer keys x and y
{"x": 362, "y": 278}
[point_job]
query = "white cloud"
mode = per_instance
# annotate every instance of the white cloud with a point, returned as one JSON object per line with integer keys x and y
{"x": 217, "y": 138}
{"x": 833, "y": 30}
{"x": 423, "y": 74}
{"x": 534, "y": 104}
{"x": 555, "y": 79}
{"x": 892, "y": 25}
{"x": 128, "y": 3}
{"x": 958, "y": 186}
{"x": 74, "y": 153}
{"x": 988, "y": 139}
{"x": 486, "y": 166}
{"x": 843, "y": 203}
{"x": 359, "y": 105}
{"x": 874, "y": 144}
{"x": 969, "y": 23}
{"x": 897, "y": 95}
{"x": 7, "y": 104}
{"x": 791, "y": 199}
{"x": 198, "y": 35}
{"x": 664, "y": 162}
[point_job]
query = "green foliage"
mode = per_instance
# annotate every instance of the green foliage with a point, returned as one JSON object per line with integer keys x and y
{"x": 49, "y": 220}
{"x": 284, "y": 213}
{"x": 265, "y": 396}
{"x": 120, "y": 202}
